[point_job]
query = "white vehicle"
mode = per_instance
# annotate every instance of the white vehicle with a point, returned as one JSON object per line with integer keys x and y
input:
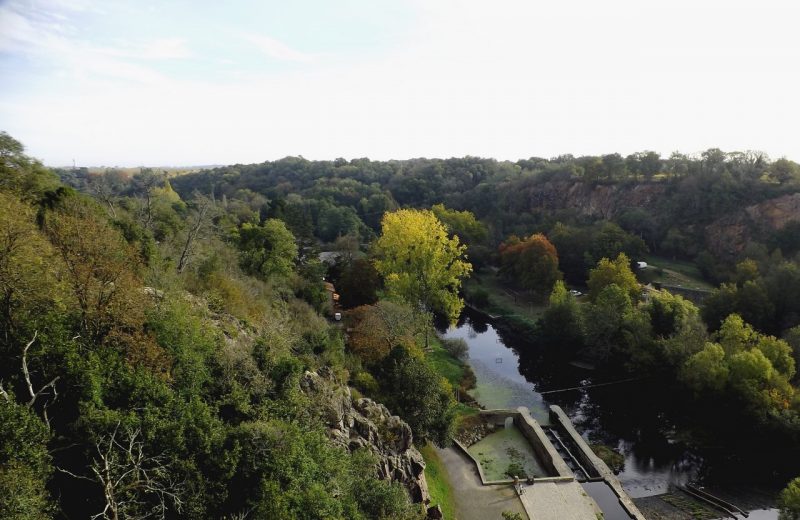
{"x": 575, "y": 292}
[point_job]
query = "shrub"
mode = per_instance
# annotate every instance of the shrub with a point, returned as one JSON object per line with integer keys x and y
{"x": 789, "y": 501}
{"x": 613, "y": 459}
{"x": 457, "y": 347}
{"x": 364, "y": 382}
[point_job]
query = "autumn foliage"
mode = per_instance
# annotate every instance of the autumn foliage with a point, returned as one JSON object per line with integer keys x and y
{"x": 532, "y": 263}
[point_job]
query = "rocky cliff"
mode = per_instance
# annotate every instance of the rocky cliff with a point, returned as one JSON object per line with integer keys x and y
{"x": 598, "y": 201}
{"x": 725, "y": 237}
{"x": 363, "y": 423}
{"x": 730, "y": 234}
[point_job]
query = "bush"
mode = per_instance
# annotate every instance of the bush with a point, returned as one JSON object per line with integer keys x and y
{"x": 613, "y": 459}
{"x": 456, "y": 347}
{"x": 364, "y": 382}
{"x": 789, "y": 501}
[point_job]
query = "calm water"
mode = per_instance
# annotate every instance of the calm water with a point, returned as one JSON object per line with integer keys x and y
{"x": 653, "y": 431}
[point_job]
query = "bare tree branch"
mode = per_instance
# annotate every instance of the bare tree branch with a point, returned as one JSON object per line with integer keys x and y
{"x": 25, "y": 366}
{"x": 204, "y": 207}
{"x": 135, "y": 485}
{"x": 34, "y": 394}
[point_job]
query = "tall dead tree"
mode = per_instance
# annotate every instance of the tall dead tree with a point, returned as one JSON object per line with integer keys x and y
{"x": 201, "y": 219}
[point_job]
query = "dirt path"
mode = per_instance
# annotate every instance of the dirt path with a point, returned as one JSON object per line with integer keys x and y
{"x": 474, "y": 501}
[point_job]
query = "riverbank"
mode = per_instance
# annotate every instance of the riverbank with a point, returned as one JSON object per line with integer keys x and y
{"x": 647, "y": 425}
{"x": 487, "y": 293}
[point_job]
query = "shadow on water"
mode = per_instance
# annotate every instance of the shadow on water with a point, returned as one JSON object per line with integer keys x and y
{"x": 607, "y": 500}
{"x": 664, "y": 439}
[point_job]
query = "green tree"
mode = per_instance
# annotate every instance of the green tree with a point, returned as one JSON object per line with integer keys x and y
{"x": 618, "y": 272}
{"x": 267, "y": 250}
{"x": 789, "y": 501}
{"x": 358, "y": 284}
{"x": 706, "y": 370}
{"x": 21, "y": 174}
{"x": 670, "y": 313}
{"x": 420, "y": 263}
{"x": 604, "y": 322}
{"x": 24, "y": 463}
{"x": 423, "y": 398}
{"x": 561, "y": 322}
{"x": 462, "y": 224}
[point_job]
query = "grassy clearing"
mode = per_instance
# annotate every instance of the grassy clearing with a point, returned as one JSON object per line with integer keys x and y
{"x": 505, "y": 301}
{"x": 678, "y": 273}
{"x": 438, "y": 483}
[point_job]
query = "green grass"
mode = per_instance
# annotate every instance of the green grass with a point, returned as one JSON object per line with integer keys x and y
{"x": 677, "y": 272}
{"x": 438, "y": 483}
{"x": 503, "y": 301}
{"x": 451, "y": 368}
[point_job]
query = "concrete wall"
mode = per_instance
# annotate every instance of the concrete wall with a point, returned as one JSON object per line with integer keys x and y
{"x": 546, "y": 452}
{"x": 559, "y": 418}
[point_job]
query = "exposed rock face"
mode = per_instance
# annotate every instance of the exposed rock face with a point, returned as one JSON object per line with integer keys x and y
{"x": 725, "y": 237}
{"x": 363, "y": 423}
{"x": 599, "y": 201}
{"x": 729, "y": 235}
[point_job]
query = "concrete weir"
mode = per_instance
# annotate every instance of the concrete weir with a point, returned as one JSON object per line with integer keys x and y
{"x": 557, "y": 496}
{"x": 588, "y": 458}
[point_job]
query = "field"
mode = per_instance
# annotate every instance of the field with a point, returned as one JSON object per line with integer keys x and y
{"x": 677, "y": 273}
{"x": 504, "y": 300}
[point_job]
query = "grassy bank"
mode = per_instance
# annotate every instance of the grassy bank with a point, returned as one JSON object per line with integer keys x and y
{"x": 444, "y": 363}
{"x": 503, "y": 301}
{"x": 438, "y": 483}
{"x": 677, "y": 273}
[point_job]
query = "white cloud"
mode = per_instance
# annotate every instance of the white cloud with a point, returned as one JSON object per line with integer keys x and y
{"x": 278, "y": 50}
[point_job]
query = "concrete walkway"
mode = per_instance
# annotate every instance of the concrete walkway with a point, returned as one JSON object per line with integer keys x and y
{"x": 558, "y": 501}
{"x": 474, "y": 501}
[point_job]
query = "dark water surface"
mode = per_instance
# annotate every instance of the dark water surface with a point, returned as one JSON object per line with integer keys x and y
{"x": 663, "y": 440}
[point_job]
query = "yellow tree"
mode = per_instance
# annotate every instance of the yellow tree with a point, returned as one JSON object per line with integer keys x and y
{"x": 615, "y": 271}
{"x": 420, "y": 263}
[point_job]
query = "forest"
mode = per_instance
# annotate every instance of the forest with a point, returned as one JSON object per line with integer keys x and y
{"x": 170, "y": 349}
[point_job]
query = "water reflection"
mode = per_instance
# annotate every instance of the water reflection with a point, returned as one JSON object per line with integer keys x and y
{"x": 643, "y": 420}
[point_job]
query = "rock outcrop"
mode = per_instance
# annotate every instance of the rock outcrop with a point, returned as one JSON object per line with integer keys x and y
{"x": 363, "y": 423}
{"x": 598, "y": 201}
{"x": 730, "y": 234}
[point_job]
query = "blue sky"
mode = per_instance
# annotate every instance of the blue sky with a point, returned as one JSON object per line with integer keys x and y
{"x": 197, "y": 82}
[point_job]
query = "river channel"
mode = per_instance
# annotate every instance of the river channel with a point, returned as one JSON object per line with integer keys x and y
{"x": 659, "y": 439}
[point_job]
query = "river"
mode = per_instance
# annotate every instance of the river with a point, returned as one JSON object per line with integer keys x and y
{"x": 659, "y": 438}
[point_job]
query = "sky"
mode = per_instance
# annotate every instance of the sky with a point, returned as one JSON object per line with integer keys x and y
{"x": 196, "y": 82}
